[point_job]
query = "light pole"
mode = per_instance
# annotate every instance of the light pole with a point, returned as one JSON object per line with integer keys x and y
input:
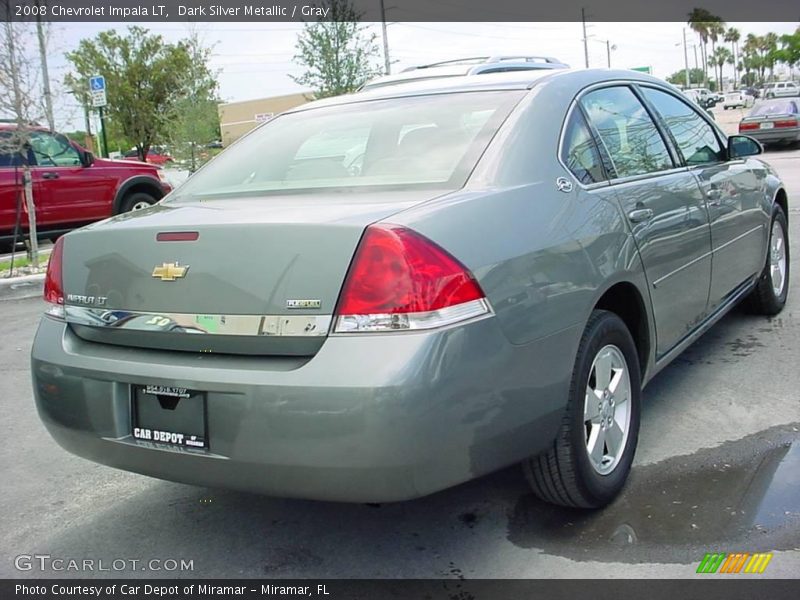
{"x": 609, "y": 48}
{"x": 585, "y": 39}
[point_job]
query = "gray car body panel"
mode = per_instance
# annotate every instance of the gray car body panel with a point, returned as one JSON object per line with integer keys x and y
{"x": 379, "y": 417}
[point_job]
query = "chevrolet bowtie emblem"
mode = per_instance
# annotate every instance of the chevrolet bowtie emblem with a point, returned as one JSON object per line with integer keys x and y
{"x": 170, "y": 271}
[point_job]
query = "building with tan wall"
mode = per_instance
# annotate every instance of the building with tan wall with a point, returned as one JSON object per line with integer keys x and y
{"x": 237, "y": 118}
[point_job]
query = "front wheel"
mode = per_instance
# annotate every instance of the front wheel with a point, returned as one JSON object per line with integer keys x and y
{"x": 593, "y": 451}
{"x": 769, "y": 295}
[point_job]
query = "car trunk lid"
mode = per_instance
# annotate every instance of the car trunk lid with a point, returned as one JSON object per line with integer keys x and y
{"x": 253, "y": 276}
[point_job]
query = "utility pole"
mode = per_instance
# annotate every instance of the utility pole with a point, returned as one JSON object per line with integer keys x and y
{"x": 386, "y": 62}
{"x": 686, "y": 60}
{"x": 608, "y": 52}
{"x": 585, "y": 39}
{"x": 48, "y": 99}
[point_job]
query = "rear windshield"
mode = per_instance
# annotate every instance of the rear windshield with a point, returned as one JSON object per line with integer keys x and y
{"x": 410, "y": 143}
{"x": 777, "y": 107}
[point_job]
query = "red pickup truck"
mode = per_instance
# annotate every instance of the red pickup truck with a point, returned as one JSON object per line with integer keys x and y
{"x": 71, "y": 187}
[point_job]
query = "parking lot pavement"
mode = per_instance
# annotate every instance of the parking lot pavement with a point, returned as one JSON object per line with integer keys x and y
{"x": 716, "y": 471}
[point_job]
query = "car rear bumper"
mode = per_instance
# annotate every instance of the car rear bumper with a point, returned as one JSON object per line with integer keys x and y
{"x": 369, "y": 418}
{"x": 772, "y": 136}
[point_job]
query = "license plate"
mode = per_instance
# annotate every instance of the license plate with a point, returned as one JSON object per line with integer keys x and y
{"x": 169, "y": 415}
{"x": 767, "y": 125}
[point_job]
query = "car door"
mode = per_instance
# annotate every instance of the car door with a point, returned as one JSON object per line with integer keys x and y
{"x": 66, "y": 191}
{"x": 731, "y": 190}
{"x": 665, "y": 208}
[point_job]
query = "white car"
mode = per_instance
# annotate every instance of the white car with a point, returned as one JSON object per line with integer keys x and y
{"x": 781, "y": 89}
{"x": 738, "y": 99}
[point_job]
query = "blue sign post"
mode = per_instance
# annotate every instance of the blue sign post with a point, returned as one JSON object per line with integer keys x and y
{"x": 97, "y": 91}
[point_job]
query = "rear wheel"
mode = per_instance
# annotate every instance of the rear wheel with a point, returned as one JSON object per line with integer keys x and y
{"x": 593, "y": 451}
{"x": 769, "y": 295}
{"x": 137, "y": 201}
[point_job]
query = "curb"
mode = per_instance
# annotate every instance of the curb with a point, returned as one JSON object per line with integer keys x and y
{"x": 17, "y": 288}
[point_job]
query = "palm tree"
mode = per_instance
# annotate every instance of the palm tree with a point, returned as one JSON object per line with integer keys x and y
{"x": 698, "y": 22}
{"x": 733, "y": 36}
{"x": 769, "y": 48}
{"x": 707, "y": 27}
{"x": 720, "y": 56}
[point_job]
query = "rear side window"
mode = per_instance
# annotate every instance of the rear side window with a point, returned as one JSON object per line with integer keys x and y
{"x": 694, "y": 136}
{"x": 579, "y": 151}
{"x": 9, "y": 151}
{"x": 627, "y": 131}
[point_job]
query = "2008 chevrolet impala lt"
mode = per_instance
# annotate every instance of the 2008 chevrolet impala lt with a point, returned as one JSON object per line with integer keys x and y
{"x": 377, "y": 296}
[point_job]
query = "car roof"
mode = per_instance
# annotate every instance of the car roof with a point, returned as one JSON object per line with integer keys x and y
{"x": 467, "y": 66}
{"x": 575, "y": 79}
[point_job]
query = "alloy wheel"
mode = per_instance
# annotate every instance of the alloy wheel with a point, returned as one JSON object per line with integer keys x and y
{"x": 607, "y": 411}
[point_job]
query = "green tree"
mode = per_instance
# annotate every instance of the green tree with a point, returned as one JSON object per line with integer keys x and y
{"x": 789, "y": 52}
{"x": 338, "y": 53}
{"x": 145, "y": 81}
{"x": 196, "y": 119}
{"x": 679, "y": 77}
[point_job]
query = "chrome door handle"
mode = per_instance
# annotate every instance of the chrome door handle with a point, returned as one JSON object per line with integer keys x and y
{"x": 640, "y": 214}
{"x": 714, "y": 197}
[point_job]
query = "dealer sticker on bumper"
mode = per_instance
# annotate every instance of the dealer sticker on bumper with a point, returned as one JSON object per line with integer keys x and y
{"x": 168, "y": 437}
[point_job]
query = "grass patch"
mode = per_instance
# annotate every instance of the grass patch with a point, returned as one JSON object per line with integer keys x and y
{"x": 22, "y": 261}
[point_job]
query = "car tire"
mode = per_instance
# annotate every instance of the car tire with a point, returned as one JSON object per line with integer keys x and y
{"x": 566, "y": 474}
{"x": 136, "y": 201}
{"x": 769, "y": 295}
{"x": 6, "y": 247}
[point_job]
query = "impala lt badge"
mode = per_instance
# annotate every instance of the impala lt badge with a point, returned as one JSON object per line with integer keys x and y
{"x": 170, "y": 272}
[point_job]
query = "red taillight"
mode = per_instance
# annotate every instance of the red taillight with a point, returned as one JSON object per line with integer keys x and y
{"x": 746, "y": 126}
{"x": 53, "y": 281}
{"x": 402, "y": 280}
{"x": 786, "y": 123}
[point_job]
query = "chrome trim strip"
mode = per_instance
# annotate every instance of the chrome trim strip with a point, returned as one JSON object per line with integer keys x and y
{"x": 738, "y": 237}
{"x": 681, "y": 268}
{"x": 188, "y": 323}
{"x": 707, "y": 254}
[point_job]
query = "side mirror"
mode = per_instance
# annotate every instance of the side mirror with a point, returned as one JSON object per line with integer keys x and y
{"x": 87, "y": 158}
{"x": 740, "y": 146}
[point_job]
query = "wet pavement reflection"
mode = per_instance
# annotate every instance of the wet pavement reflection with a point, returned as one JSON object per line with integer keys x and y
{"x": 743, "y": 495}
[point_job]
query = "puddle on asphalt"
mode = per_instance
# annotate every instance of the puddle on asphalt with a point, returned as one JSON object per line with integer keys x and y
{"x": 741, "y": 496}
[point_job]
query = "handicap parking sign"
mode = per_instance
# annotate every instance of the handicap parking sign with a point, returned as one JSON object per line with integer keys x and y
{"x": 97, "y": 83}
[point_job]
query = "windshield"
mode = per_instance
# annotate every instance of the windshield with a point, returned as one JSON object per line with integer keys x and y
{"x": 418, "y": 142}
{"x": 780, "y": 107}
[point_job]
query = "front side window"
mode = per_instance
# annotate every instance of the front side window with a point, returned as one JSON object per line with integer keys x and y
{"x": 420, "y": 142}
{"x": 695, "y": 138}
{"x": 53, "y": 150}
{"x": 579, "y": 151}
{"x": 627, "y": 131}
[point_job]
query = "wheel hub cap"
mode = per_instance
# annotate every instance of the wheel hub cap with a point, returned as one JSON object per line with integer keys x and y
{"x": 607, "y": 414}
{"x": 777, "y": 258}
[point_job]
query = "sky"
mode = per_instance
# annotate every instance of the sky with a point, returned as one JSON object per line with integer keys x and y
{"x": 254, "y": 60}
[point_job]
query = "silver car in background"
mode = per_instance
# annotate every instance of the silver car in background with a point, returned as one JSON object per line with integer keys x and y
{"x": 377, "y": 296}
{"x": 773, "y": 121}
